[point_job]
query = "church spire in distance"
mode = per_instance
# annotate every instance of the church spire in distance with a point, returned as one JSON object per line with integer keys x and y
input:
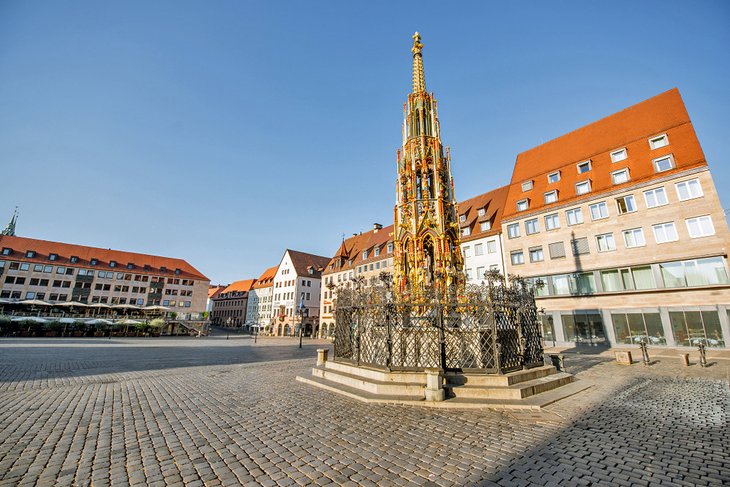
{"x": 10, "y": 229}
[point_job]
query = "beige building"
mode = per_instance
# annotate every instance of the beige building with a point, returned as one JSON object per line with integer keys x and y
{"x": 231, "y": 304}
{"x": 56, "y": 272}
{"x": 621, "y": 221}
{"x": 259, "y": 301}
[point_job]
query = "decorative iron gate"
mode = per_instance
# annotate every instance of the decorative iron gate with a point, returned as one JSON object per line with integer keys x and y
{"x": 491, "y": 329}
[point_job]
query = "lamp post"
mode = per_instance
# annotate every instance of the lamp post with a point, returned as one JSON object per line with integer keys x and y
{"x": 301, "y": 320}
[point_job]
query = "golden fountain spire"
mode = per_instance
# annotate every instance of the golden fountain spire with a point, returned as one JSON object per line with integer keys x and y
{"x": 419, "y": 80}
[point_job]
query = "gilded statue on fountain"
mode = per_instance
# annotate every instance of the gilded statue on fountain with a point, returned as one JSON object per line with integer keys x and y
{"x": 427, "y": 256}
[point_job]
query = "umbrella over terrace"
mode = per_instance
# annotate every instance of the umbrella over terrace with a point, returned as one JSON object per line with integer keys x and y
{"x": 68, "y": 304}
{"x": 35, "y": 302}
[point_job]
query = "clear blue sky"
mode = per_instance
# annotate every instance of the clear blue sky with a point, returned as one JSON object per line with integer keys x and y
{"x": 224, "y": 132}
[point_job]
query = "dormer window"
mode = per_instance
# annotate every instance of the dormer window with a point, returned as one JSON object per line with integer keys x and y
{"x": 658, "y": 141}
{"x": 481, "y": 212}
{"x": 94, "y": 261}
{"x": 130, "y": 265}
{"x": 551, "y": 197}
{"x": 377, "y": 251}
{"x": 7, "y": 251}
{"x": 462, "y": 218}
{"x": 618, "y": 155}
{"x": 74, "y": 259}
{"x": 484, "y": 226}
{"x": 583, "y": 187}
{"x": 310, "y": 271}
{"x": 164, "y": 269}
{"x": 663, "y": 163}
{"x": 523, "y": 205}
{"x": 466, "y": 231}
{"x": 583, "y": 167}
{"x": 619, "y": 177}
{"x": 364, "y": 254}
{"x": 52, "y": 256}
{"x": 553, "y": 177}
{"x": 147, "y": 267}
{"x": 112, "y": 263}
{"x": 390, "y": 248}
{"x": 30, "y": 254}
{"x": 527, "y": 185}
{"x": 178, "y": 272}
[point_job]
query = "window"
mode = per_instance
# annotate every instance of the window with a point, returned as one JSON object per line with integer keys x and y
{"x": 24, "y": 266}
{"x": 687, "y": 190}
{"x": 626, "y": 204}
{"x": 605, "y": 242}
{"x": 665, "y": 232}
{"x": 584, "y": 167}
{"x": 527, "y": 186}
{"x": 479, "y": 249}
{"x": 517, "y": 257}
{"x": 700, "y": 226}
{"x": 583, "y": 187}
{"x": 663, "y": 164}
{"x": 466, "y": 231}
{"x": 531, "y": 226}
{"x": 462, "y": 218}
{"x": 522, "y": 205}
{"x": 634, "y": 237}
{"x": 60, "y": 270}
{"x": 480, "y": 273}
{"x": 513, "y": 230}
{"x": 470, "y": 274}
{"x": 659, "y": 141}
{"x": 94, "y": 261}
{"x": 390, "y": 248}
{"x": 492, "y": 247}
{"x": 551, "y": 197}
{"x": 553, "y": 177}
{"x": 618, "y": 155}
{"x": 52, "y": 256}
{"x": 466, "y": 250}
{"x": 74, "y": 259}
{"x": 655, "y": 197}
{"x": 574, "y": 216}
{"x": 697, "y": 272}
{"x": 113, "y": 263}
{"x": 30, "y": 295}
{"x": 536, "y": 254}
{"x": 599, "y": 211}
{"x": 480, "y": 212}
{"x": 377, "y": 251}
{"x": 633, "y": 328}
{"x": 580, "y": 246}
{"x": 552, "y": 222}
{"x": 30, "y": 254}
{"x": 364, "y": 254}
{"x": 38, "y": 268}
{"x": 690, "y": 328}
{"x": 484, "y": 226}
{"x": 7, "y": 251}
{"x": 619, "y": 177}
{"x": 557, "y": 250}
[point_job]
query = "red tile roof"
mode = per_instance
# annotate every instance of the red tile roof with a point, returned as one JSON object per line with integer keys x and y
{"x": 630, "y": 129}
{"x": 267, "y": 278}
{"x": 64, "y": 251}
{"x": 214, "y": 291}
{"x": 492, "y": 203}
{"x": 244, "y": 285}
{"x": 302, "y": 262}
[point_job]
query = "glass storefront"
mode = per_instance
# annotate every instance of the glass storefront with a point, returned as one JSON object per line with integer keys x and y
{"x": 691, "y": 328}
{"x": 548, "y": 330}
{"x": 633, "y": 328}
{"x": 584, "y": 328}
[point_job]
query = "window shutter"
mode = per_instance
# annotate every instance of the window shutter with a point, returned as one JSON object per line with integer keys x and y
{"x": 580, "y": 246}
{"x": 557, "y": 250}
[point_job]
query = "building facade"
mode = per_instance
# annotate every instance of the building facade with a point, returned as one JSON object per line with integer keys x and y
{"x": 259, "y": 301}
{"x": 621, "y": 221}
{"x": 230, "y": 305}
{"x": 296, "y": 287}
{"x": 57, "y": 272}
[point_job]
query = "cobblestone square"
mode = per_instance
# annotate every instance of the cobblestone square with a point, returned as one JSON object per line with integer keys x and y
{"x": 212, "y": 411}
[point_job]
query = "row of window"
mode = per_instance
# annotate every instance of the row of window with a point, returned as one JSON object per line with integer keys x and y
{"x": 31, "y": 254}
{"x": 376, "y": 252}
{"x": 697, "y": 227}
{"x": 69, "y": 271}
{"x": 52, "y": 297}
{"x": 481, "y": 272}
{"x": 479, "y": 248}
{"x": 483, "y": 226}
{"x": 686, "y": 273}
{"x": 620, "y": 176}
{"x": 653, "y": 198}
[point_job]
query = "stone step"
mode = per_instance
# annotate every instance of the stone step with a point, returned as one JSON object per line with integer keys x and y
{"x": 516, "y": 391}
{"x": 359, "y": 394}
{"x": 357, "y": 381}
{"x": 494, "y": 380}
{"x": 377, "y": 374}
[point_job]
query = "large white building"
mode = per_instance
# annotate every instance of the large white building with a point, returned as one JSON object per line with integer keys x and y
{"x": 258, "y": 312}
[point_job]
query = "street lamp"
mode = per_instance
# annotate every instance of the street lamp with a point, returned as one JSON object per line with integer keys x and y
{"x": 301, "y": 320}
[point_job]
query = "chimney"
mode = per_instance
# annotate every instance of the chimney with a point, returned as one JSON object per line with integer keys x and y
{"x": 376, "y": 227}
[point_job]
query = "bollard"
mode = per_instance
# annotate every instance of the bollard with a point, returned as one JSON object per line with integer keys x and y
{"x": 703, "y": 357}
{"x": 644, "y": 353}
{"x": 685, "y": 359}
{"x": 434, "y": 385}
{"x": 321, "y": 356}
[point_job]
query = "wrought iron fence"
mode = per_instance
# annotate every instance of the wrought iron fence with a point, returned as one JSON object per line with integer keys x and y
{"x": 492, "y": 329}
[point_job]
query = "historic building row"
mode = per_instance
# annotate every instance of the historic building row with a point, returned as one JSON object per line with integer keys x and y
{"x": 617, "y": 224}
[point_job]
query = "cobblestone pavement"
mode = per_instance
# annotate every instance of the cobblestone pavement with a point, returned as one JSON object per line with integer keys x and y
{"x": 228, "y": 412}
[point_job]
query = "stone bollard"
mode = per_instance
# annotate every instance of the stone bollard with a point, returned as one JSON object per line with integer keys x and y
{"x": 321, "y": 356}
{"x": 685, "y": 359}
{"x": 434, "y": 385}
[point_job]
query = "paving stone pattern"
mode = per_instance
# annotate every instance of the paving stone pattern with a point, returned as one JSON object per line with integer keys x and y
{"x": 228, "y": 412}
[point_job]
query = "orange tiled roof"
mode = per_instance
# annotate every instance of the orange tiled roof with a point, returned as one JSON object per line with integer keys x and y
{"x": 267, "y": 278}
{"x": 302, "y": 261}
{"x": 64, "y": 251}
{"x": 244, "y": 285}
{"x": 356, "y": 245}
{"x": 630, "y": 129}
{"x": 492, "y": 202}
{"x": 214, "y": 291}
